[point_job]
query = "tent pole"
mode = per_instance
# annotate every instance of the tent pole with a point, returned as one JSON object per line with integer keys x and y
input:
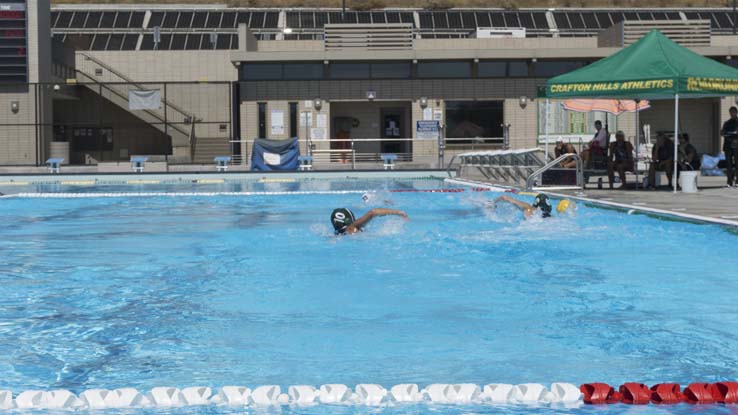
{"x": 676, "y": 140}
{"x": 546, "y": 130}
{"x": 638, "y": 139}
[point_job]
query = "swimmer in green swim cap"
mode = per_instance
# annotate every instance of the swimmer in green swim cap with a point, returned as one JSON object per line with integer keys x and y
{"x": 345, "y": 223}
{"x": 541, "y": 203}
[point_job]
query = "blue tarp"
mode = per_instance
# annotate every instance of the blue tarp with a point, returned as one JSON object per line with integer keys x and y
{"x": 268, "y": 155}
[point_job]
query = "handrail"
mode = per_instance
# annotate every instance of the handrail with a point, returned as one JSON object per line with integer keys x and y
{"x": 448, "y": 167}
{"x": 554, "y": 163}
{"x": 123, "y": 96}
{"x": 134, "y": 83}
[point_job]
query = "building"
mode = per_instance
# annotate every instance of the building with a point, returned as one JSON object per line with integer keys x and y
{"x": 187, "y": 83}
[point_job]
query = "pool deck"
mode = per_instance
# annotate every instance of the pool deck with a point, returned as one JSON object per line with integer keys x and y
{"x": 713, "y": 203}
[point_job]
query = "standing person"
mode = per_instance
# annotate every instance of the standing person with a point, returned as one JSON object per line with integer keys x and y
{"x": 662, "y": 159}
{"x": 598, "y": 144}
{"x": 620, "y": 159}
{"x": 730, "y": 144}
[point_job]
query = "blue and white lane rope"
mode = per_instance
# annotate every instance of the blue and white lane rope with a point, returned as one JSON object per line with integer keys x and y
{"x": 565, "y": 394}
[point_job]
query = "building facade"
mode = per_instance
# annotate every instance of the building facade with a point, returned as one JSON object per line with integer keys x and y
{"x": 407, "y": 82}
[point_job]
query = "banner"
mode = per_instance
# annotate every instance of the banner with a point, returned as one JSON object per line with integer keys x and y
{"x": 144, "y": 100}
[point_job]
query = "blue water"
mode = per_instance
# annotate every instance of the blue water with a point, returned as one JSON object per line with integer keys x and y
{"x": 255, "y": 290}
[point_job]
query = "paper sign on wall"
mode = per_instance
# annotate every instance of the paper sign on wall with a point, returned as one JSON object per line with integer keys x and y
{"x": 318, "y": 134}
{"x": 321, "y": 121}
{"x": 438, "y": 115}
{"x": 277, "y": 122}
{"x": 427, "y": 114}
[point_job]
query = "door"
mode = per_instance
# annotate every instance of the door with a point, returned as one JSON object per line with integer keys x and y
{"x": 393, "y": 126}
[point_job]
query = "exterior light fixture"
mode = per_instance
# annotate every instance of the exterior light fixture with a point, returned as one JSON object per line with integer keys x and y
{"x": 317, "y": 104}
{"x": 287, "y": 30}
{"x": 370, "y": 95}
{"x": 423, "y": 102}
{"x": 523, "y": 102}
{"x": 14, "y": 106}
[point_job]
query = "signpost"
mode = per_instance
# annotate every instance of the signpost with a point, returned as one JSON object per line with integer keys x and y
{"x": 13, "y": 43}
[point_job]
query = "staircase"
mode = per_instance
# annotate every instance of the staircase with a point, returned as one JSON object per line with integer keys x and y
{"x": 176, "y": 123}
{"x": 206, "y": 149}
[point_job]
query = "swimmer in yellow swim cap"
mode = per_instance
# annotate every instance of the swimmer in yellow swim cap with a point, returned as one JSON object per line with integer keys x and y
{"x": 565, "y": 206}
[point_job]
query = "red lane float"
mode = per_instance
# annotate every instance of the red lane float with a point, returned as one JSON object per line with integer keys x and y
{"x": 699, "y": 393}
{"x": 599, "y": 393}
{"x": 635, "y": 393}
{"x": 725, "y": 392}
{"x": 666, "y": 393}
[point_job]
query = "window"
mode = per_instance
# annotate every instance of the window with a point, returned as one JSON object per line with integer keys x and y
{"x": 293, "y": 119}
{"x": 444, "y": 70}
{"x": 262, "y": 120}
{"x": 492, "y": 69}
{"x": 400, "y": 70}
{"x": 262, "y": 71}
{"x": 518, "y": 69}
{"x": 303, "y": 71}
{"x": 563, "y": 122}
{"x": 349, "y": 71}
{"x": 474, "y": 119}
{"x": 548, "y": 69}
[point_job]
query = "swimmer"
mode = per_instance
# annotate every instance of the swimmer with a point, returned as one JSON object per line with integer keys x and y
{"x": 344, "y": 222}
{"x": 541, "y": 203}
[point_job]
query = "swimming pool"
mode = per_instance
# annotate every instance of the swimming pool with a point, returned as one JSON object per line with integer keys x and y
{"x": 110, "y": 292}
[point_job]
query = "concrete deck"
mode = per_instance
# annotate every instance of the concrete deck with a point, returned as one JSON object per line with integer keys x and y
{"x": 713, "y": 201}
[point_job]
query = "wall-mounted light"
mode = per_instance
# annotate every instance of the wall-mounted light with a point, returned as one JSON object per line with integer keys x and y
{"x": 523, "y": 102}
{"x": 370, "y": 95}
{"x": 534, "y": 60}
{"x": 317, "y": 104}
{"x": 287, "y": 30}
{"x": 423, "y": 102}
{"x": 14, "y": 106}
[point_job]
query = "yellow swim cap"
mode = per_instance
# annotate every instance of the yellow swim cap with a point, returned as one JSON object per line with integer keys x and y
{"x": 564, "y": 206}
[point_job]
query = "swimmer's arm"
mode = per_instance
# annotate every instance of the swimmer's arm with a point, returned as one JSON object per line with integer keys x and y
{"x": 515, "y": 202}
{"x": 359, "y": 223}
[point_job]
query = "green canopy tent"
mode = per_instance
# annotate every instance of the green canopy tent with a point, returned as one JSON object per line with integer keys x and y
{"x": 653, "y": 68}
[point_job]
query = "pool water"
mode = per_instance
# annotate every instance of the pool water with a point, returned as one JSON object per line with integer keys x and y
{"x": 141, "y": 292}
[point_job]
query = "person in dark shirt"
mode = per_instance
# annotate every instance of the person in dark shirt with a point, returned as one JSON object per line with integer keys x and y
{"x": 620, "y": 159}
{"x": 662, "y": 159}
{"x": 730, "y": 144}
{"x": 689, "y": 159}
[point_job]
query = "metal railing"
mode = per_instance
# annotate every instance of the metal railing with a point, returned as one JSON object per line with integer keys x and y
{"x": 530, "y": 181}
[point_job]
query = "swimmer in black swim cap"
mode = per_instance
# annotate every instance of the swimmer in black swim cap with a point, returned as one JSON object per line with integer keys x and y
{"x": 344, "y": 222}
{"x": 541, "y": 203}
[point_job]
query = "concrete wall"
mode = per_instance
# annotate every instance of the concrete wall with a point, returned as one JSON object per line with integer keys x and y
{"x": 697, "y": 117}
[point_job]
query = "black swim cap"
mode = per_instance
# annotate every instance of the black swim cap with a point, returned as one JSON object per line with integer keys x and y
{"x": 543, "y": 204}
{"x": 341, "y": 218}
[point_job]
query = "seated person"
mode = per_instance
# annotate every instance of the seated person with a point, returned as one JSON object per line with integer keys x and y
{"x": 662, "y": 159}
{"x": 689, "y": 159}
{"x": 345, "y": 223}
{"x": 565, "y": 148}
{"x": 620, "y": 159}
{"x": 597, "y": 146}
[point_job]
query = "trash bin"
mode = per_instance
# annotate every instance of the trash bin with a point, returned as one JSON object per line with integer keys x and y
{"x": 689, "y": 181}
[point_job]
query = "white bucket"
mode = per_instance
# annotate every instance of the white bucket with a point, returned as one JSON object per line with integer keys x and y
{"x": 689, "y": 181}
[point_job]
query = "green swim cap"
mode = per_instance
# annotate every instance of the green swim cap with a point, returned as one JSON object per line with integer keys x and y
{"x": 543, "y": 204}
{"x": 341, "y": 218}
